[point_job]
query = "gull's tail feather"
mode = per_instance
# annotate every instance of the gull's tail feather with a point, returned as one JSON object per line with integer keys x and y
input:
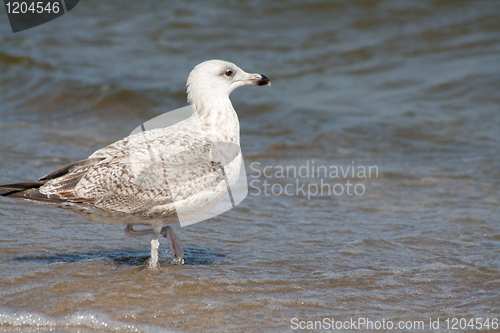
{"x": 64, "y": 179}
{"x": 27, "y": 191}
{"x": 11, "y": 189}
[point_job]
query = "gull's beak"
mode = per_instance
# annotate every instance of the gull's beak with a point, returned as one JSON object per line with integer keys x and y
{"x": 256, "y": 79}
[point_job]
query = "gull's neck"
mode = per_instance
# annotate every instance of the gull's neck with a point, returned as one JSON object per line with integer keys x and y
{"x": 218, "y": 119}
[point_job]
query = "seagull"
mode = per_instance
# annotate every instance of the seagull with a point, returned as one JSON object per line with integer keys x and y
{"x": 153, "y": 177}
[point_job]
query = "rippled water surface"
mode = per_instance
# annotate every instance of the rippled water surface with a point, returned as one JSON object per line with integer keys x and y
{"x": 408, "y": 88}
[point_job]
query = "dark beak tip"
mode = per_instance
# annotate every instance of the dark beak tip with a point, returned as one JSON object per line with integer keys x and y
{"x": 264, "y": 81}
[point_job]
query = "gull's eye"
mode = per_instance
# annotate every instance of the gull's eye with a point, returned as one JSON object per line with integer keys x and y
{"x": 229, "y": 72}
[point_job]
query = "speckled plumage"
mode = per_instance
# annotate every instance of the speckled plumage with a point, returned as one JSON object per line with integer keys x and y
{"x": 152, "y": 177}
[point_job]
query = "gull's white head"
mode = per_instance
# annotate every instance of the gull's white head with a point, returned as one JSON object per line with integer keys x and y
{"x": 214, "y": 80}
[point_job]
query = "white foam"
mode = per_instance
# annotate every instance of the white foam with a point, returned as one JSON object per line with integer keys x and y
{"x": 81, "y": 321}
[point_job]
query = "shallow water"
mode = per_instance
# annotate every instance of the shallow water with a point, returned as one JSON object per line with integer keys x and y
{"x": 409, "y": 88}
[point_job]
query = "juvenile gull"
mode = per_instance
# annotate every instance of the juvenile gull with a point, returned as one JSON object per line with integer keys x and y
{"x": 150, "y": 177}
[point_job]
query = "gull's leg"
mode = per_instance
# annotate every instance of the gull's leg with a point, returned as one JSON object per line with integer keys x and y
{"x": 175, "y": 244}
{"x": 168, "y": 232}
{"x": 152, "y": 262}
{"x": 129, "y": 231}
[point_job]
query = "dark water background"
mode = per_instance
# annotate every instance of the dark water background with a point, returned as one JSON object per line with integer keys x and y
{"x": 409, "y": 87}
